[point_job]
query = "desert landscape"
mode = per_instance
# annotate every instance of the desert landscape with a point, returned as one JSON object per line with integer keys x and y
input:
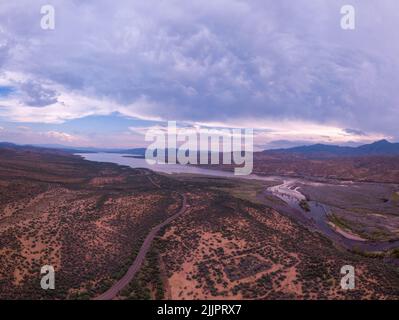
{"x": 239, "y": 150}
{"x": 231, "y": 239}
{"x": 85, "y": 219}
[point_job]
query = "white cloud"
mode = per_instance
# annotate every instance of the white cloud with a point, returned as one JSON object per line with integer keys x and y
{"x": 24, "y": 135}
{"x": 224, "y": 61}
{"x": 61, "y": 136}
{"x": 69, "y": 105}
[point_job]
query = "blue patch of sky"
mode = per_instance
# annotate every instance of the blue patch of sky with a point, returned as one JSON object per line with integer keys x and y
{"x": 5, "y": 91}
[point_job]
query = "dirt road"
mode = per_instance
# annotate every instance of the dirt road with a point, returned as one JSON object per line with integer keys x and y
{"x": 135, "y": 267}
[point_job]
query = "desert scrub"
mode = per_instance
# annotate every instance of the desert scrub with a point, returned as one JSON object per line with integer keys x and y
{"x": 148, "y": 284}
{"x": 304, "y": 205}
{"x": 395, "y": 253}
{"x": 395, "y": 197}
{"x": 368, "y": 254}
{"x": 339, "y": 222}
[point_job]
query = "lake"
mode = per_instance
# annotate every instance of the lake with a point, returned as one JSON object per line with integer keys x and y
{"x": 127, "y": 160}
{"x": 285, "y": 191}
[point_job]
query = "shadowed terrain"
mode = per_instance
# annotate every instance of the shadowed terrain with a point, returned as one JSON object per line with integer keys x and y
{"x": 90, "y": 219}
{"x": 229, "y": 246}
{"x": 86, "y": 219}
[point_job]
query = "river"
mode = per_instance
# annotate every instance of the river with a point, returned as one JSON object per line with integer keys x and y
{"x": 128, "y": 160}
{"x": 288, "y": 191}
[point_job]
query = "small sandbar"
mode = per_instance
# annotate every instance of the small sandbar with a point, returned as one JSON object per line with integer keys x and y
{"x": 346, "y": 234}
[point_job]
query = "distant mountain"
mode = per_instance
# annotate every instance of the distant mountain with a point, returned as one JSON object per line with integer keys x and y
{"x": 28, "y": 147}
{"x": 381, "y": 148}
{"x": 134, "y": 151}
{"x": 7, "y": 145}
{"x": 69, "y": 149}
{"x": 66, "y": 148}
{"x": 317, "y": 148}
{"x": 378, "y": 148}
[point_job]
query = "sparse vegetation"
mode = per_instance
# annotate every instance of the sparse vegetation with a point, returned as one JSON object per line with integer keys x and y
{"x": 304, "y": 205}
{"x": 86, "y": 219}
{"x": 89, "y": 220}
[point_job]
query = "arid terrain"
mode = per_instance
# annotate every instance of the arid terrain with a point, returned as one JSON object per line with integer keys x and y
{"x": 372, "y": 168}
{"x": 85, "y": 219}
{"x": 226, "y": 247}
{"x": 382, "y": 169}
{"x": 232, "y": 240}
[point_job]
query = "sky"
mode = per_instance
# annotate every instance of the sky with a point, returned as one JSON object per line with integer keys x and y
{"x": 110, "y": 70}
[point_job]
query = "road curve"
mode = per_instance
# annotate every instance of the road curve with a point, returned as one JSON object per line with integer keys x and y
{"x": 124, "y": 281}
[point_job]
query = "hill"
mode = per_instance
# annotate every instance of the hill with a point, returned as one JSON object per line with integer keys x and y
{"x": 378, "y": 148}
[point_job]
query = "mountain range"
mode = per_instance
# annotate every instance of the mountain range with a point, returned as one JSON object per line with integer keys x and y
{"x": 70, "y": 149}
{"x": 378, "y": 148}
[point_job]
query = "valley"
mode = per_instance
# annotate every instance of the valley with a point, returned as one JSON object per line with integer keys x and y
{"x": 111, "y": 228}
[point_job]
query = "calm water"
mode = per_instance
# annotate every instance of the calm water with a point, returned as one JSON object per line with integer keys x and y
{"x": 285, "y": 191}
{"x": 164, "y": 168}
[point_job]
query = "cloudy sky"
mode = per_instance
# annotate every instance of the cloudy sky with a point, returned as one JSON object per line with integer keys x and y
{"x": 112, "y": 69}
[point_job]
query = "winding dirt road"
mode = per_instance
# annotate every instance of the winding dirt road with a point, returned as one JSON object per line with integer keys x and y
{"x": 135, "y": 267}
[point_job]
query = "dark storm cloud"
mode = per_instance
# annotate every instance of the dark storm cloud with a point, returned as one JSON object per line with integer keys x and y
{"x": 215, "y": 61}
{"x": 35, "y": 95}
{"x": 355, "y": 132}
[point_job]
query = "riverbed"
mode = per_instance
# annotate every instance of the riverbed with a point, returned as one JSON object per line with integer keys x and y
{"x": 287, "y": 189}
